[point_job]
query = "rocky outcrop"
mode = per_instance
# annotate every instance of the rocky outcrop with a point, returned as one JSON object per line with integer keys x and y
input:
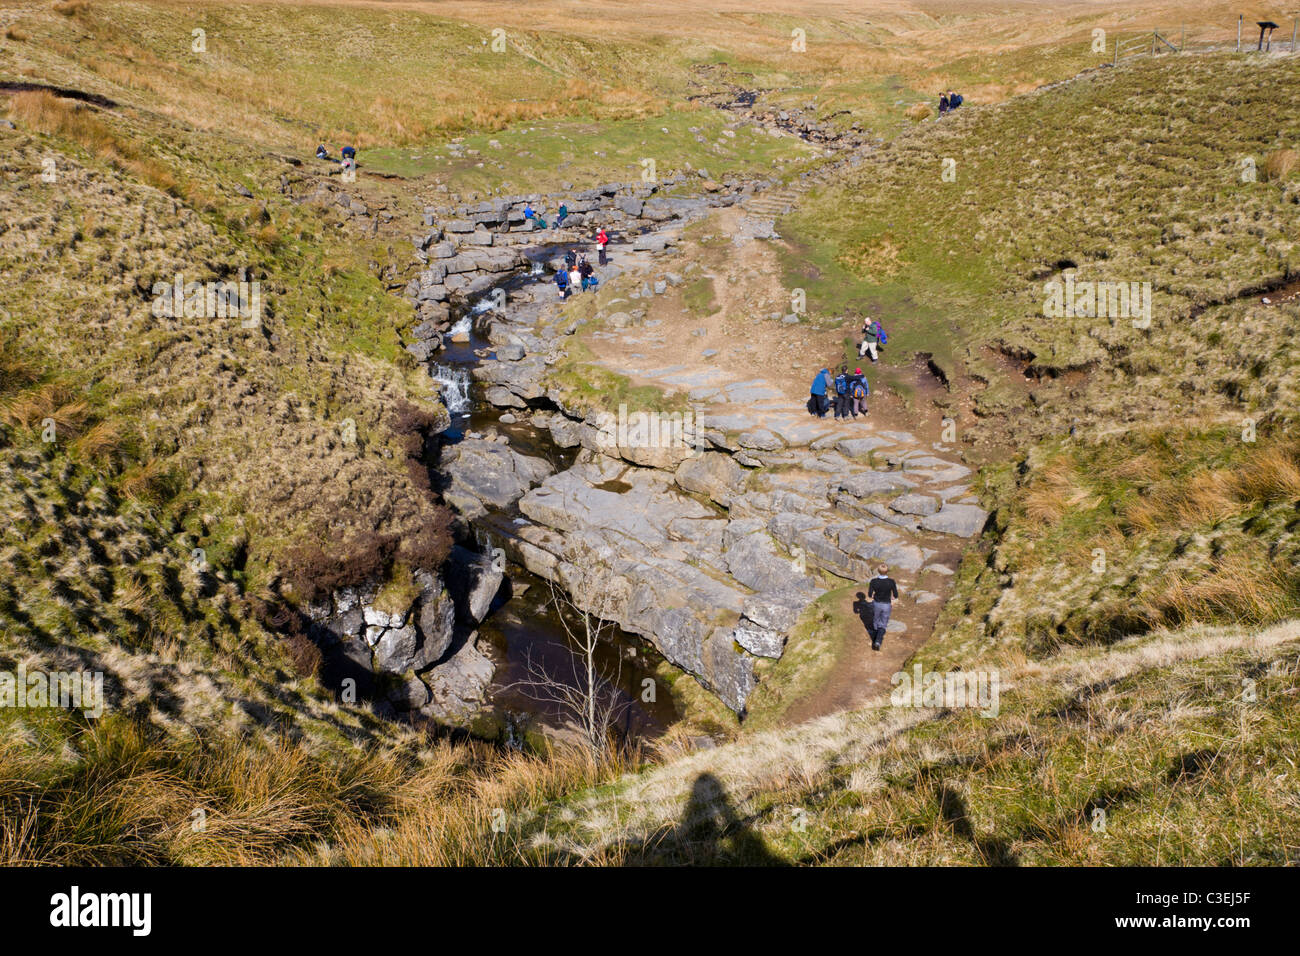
{"x": 485, "y": 473}
{"x": 398, "y": 646}
{"x": 474, "y": 580}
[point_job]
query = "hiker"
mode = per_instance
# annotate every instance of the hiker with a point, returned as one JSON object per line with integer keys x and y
{"x": 349, "y": 153}
{"x": 817, "y": 402}
{"x": 561, "y": 216}
{"x": 943, "y": 103}
{"x": 858, "y": 392}
{"x": 571, "y": 259}
{"x": 528, "y": 211}
{"x": 585, "y": 270}
{"x": 322, "y": 152}
{"x": 575, "y": 280}
{"x": 562, "y": 282}
{"x": 873, "y": 336}
{"x": 602, "y": 240}
{"x": 954, "y": 100}
{"x": 882, "y": 591}
{"x": 842, "y": 393}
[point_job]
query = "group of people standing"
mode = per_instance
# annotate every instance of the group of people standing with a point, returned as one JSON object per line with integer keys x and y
{"x": 846, "y": 393}
{"x": 949, "y": 101}
{"x": 577, "y": 273}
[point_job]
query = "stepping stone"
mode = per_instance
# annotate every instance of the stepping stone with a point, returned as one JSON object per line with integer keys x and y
{"x": 924, "y": 597}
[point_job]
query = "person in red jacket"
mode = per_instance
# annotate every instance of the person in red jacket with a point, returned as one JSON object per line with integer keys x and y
{"x": 602, "y": 240}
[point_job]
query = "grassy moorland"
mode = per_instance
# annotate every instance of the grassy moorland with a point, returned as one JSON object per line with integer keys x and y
{"x": 1138, "y": 593}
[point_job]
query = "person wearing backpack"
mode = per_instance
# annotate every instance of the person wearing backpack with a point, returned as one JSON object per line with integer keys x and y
{"x": 562, "y": 215}
{"x": 562, "y": 282}
{"x": 842, "y": 393}
{"x": 858, "y": 392}
{"x": 873, "y": 336}
{"x": 869, "y": 341}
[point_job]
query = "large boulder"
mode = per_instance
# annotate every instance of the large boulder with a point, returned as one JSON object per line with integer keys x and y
{"x": 485, "y": 474}
{"x": 474, "y": 580}
{"x": 458, "y": 686}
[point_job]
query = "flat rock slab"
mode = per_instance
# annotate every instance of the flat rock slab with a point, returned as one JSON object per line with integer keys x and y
{"x": 876, "y": 482}
{"x": 915, "y": 504}
{"x": 861, "y": 447}
{"x": 965, "y": 521}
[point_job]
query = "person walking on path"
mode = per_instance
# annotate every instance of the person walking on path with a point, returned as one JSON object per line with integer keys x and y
{"x": 882, "y": 591}
{"x": 602, "y": 240}
{"x": 870, "y": 338}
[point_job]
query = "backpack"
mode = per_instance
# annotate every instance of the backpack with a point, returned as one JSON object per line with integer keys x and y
{"x": 881, "y": 337}
{"x": 841, "y": 385}
{"x": 861, "y": 389}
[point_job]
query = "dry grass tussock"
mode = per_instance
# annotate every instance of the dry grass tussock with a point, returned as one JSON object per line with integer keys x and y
{"x": 863, "y": 748}
{"x": 127, "y": 794}
{"x": 1280, "y": 164}
{"x": 68, "y": 119}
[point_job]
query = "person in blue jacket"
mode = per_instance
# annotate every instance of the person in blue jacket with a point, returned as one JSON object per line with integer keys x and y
{"x": 818, "y": 402}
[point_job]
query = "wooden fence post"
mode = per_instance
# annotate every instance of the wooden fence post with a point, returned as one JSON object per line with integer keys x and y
{"x": 1239, "y": 19}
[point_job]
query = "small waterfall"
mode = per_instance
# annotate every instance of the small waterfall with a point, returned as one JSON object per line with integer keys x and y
{"x": 462, "y": 327}
{"x": 454, "y": 384}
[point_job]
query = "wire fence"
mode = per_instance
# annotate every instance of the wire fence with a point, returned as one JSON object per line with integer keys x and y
{"x": 1271, "y": 38}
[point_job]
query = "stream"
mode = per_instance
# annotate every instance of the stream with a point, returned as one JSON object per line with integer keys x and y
{"x": 527, "y": 623}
